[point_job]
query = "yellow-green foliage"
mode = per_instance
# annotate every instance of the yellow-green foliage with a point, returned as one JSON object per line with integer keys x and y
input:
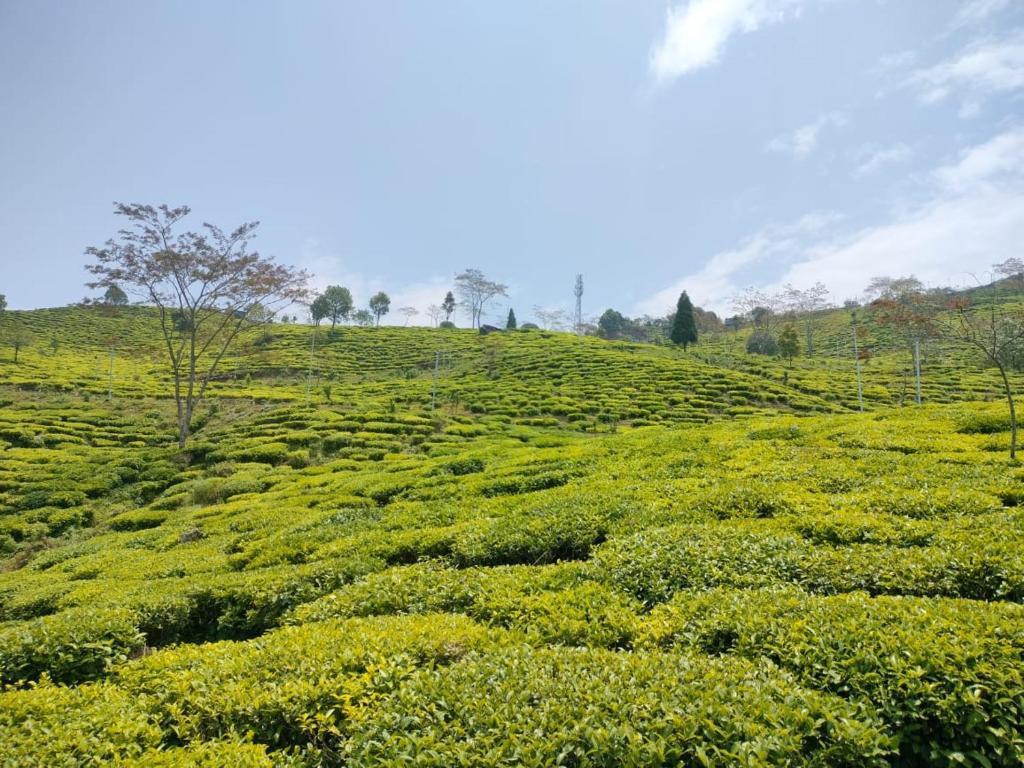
{"x": 589, "y": 554}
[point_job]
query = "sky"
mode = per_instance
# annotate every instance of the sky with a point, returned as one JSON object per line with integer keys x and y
{"x": 700, "y": 145}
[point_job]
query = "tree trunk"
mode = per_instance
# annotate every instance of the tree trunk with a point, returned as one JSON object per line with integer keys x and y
{"x": 1013, "y": 413}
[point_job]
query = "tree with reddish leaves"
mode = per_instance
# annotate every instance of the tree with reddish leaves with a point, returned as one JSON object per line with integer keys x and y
{"x": 204, "y": 285}
{"x": 903, "y": 305}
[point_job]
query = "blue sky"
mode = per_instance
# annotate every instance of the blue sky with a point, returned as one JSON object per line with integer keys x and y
{"x": 707, "y": 145}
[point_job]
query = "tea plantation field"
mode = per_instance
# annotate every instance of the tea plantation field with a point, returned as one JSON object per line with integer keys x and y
{"x": 586, "y": 553}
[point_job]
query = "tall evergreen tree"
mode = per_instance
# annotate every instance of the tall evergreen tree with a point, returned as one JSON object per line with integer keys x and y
{"x": 448, "y": 306}
{"x": 684, "y": 326}
{"x": 510, "y": 324}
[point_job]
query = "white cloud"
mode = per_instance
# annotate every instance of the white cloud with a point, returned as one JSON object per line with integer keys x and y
{"x": 1001, "y": 159}
{"x": 969, "y": 215}
{"x": 804, "y": 140}
{"x": 977, "y": 11}
{"x": 329, "y": 269}
{"x": 943, "y": 243}
{"x": 696, "y": 33}
{"x": 726, "y": 273}
{"x": 873, "y": 159}
{"x": 983, "y": 68}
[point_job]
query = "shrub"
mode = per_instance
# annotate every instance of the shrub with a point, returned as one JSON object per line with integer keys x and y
{"x": 70, "y": 646}
{"x": 557, "y": 706}
{"x": 136, "y": 521}
{"x": 945, "y": 676}
{"x": 762, "y": 343}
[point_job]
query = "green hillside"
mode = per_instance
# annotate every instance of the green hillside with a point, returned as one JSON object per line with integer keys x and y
{"x": 432, "y": 547}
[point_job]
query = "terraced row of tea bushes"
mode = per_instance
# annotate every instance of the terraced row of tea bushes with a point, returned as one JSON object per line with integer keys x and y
{"x": 944, "y": 675}
{"x": 232, "y": 547}
{"x": 950, "y": 372}
{"x": 980, "y": 560}
{"x": 444, "y": 691}
{"x": 65, "y": 467}
{"x": 537, "y": 378}
{"x": 554, "y": 604}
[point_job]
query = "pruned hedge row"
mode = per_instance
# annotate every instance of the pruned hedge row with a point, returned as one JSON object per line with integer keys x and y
{"x": 438, "y": 691}
{"x": 944, "y": 675}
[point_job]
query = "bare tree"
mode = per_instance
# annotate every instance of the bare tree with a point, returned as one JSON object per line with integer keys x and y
{"x": 475, "y": 291}
{"x": 884, "y": 287}
{"x": 1011, "y": 271}
{"x": 804, "y": 303}
{"x": 435, "y": 313}
{"x": 550, "y": 319}
{"x": 760, "y": 306}
{"x": 203, "y": 284}
{"x": 408, "y": 313}
{"x": 997, "y": 331}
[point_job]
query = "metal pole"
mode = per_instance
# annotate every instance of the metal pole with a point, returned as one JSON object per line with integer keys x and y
{"x": 917, "y": 368}
{"x": 312, "y": 358}
{"x": 856, "y": 359}
{"x": 433, "y": 388}
{"x": 110, "y": 377}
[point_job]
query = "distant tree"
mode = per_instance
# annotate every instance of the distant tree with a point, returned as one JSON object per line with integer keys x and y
{"x": 760, "y": 307}
{"x": 337, "y": 302}
{"x": 529, "y": 327}
{"x": 435, "y": 313}
{"x": 380, "y": 304}
{"x": 803, "y": 303}
{"x": 904, "y": 307}
{"x": 550, "y": 319}
{"x": 1011, "y": 272}
{"x": 733, "y": 323}
{"x": 684, "y": 325}
{"x": 761, "y": 342}
{"x": 510, "y": 323}
{"x": 762, "y": 317}
{"x": 996, "y": 330}
{"x": 319, "y": 309}
{"x": 446, "y": 324}
{"x": 203, "y": 285}
{"x": 611, "y": 324}
{"x": 885, "y": 287}
{"x": 707, "y": 321}
{"x": 115, "y": 297}
{"x": 363, "y": 317}
{"x": 3, "y": 305}
{"x": 448, "y": 305}
{"x": 17, "y": 337}
{"x": 789, "y": 343}
{"x": 475, "y": 291}
{"x": 408, "y": 313}
{"x": 263, "y": 317}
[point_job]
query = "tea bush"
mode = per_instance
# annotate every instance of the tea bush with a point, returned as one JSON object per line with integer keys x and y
{"x": 586, "y": 553}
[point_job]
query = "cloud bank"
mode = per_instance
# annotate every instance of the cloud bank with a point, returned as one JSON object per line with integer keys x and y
{"x": 968, "y": 215}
